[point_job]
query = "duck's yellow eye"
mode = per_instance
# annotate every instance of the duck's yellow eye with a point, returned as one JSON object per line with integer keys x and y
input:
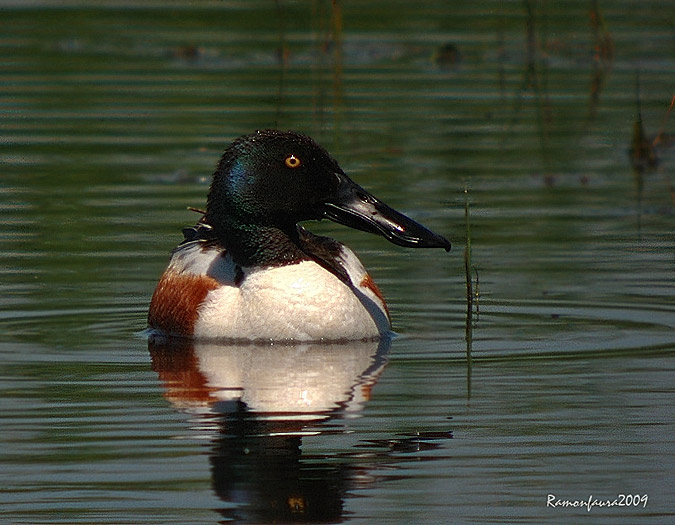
{"x": 292, "y": 162}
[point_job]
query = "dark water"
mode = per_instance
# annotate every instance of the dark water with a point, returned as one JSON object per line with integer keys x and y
{"x": 112, "y": 116}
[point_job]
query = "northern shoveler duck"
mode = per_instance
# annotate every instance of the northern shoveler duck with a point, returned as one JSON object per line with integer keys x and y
{"x": 248, "y": 271}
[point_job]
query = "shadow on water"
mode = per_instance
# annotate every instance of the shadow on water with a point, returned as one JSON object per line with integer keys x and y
{"x": 535, "y": 80}
{"x": 603, "y": 58}
{"x": 257, "y": 403}
{"x": 644, "y": 151}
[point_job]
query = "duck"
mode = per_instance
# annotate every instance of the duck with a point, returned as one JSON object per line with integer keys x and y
{"x": 249, "y": 271}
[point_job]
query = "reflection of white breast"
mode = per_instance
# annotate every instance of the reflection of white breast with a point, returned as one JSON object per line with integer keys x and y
{"x": 308, "y": 378}
{"x": 298, "y": 382}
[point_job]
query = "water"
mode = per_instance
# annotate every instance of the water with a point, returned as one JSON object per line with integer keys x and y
{"x": 113, "y": 116}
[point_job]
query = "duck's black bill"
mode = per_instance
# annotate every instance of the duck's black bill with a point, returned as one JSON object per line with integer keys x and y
{"x": 356, "y": 208}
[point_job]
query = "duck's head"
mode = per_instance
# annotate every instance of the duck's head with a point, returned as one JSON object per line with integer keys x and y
{"x": 277, "y": 179}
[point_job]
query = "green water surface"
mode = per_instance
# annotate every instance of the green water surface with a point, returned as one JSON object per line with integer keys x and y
{"x": 112, "y": 118}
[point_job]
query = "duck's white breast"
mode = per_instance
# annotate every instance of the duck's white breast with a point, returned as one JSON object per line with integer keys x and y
{"x": 301, "y": 301}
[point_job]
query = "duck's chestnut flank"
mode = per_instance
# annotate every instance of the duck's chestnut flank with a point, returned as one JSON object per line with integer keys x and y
{"x": 249, "y": 271}
{"x": 176, "y": 300}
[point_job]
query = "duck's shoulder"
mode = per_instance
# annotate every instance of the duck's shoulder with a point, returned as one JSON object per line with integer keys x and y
{"x": 198, "y": 265}
{"x": 201, "y": 254}
{"x": 333, "y": 256}
{"x": 341, "y": 261}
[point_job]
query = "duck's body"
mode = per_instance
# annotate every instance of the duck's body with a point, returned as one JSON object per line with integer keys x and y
{"x": 247, "y": 271}
{"x": 204, "y": 294}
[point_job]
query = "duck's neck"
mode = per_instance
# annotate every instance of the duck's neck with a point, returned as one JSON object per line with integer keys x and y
{"x": 262, "y": 245}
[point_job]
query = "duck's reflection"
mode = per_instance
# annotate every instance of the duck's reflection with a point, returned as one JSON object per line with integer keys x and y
{"x": 262, "y": 400}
